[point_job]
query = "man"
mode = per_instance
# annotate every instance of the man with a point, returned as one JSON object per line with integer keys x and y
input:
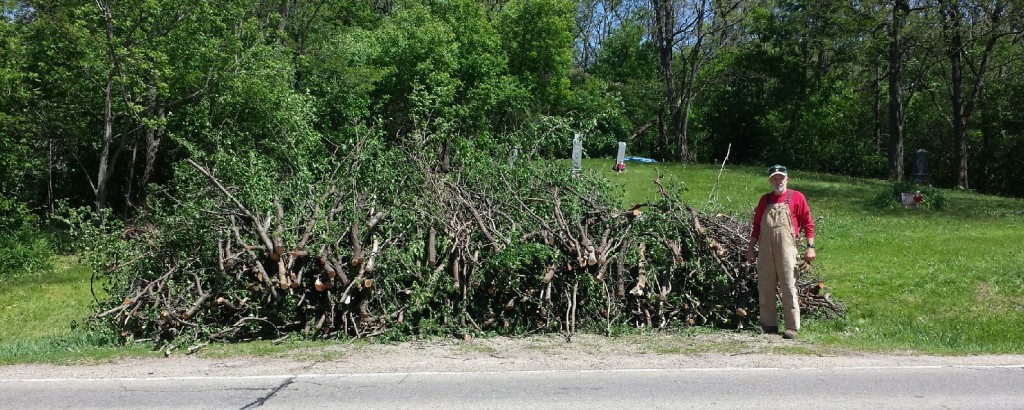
{"x": 779, "y": 217}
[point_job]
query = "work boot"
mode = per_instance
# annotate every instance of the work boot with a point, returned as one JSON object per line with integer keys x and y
{"x": 770, "y": 329}
{"x": 789, "y": 334}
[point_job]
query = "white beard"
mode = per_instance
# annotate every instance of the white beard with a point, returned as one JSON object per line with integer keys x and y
{"x": 779, "y": 189}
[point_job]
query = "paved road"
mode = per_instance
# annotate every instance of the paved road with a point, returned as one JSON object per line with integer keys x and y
{"x": 967, "y": 387}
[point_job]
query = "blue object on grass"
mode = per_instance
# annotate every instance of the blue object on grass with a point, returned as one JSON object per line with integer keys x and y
{"x": 638, "y": 159}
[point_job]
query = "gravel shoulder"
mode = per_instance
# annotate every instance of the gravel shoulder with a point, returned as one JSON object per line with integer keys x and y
{"x": 537, "y": 353}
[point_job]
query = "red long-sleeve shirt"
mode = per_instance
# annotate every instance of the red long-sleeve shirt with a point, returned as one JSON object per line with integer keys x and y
{"x": 798, "y": 210}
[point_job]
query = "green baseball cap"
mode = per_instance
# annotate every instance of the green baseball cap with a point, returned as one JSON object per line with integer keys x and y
{"x": 777, "y": 169}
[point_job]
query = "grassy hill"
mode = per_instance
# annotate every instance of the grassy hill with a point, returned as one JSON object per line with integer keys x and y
{"x": 948, "y": 281}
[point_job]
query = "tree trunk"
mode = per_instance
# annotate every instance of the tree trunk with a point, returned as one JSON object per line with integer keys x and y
{"x": 664, "y": 142}
{"x": 963, "y": 103}
{"x": 284, "y": 8}
{"x": 444, "y": 156}
{"x": 665, "y": 30}
{"x": 982, "y": 175}
{"x": 153, "y": 138}
{"x": 877, "y": 85}
{"x": 900, "y": 10}
{"x": 683, "y": 136}
{"x": 153, "y": 135}
{"x": 105, "y": 162}
{"x": 430, "y": 251}
{"x": 957, "y": 93}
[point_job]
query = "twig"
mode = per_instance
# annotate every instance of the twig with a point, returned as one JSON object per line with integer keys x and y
{"x": 714, "y": 190}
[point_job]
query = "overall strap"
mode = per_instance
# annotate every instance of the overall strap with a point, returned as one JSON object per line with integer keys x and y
{"x": 788, "y": 196}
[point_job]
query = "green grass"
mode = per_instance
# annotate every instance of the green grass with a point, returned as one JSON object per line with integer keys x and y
{"x": 944, "y": 282}
{"x": 940, "y": 282}
{"x": 41, "y": 317}
{"x": 45, "y": 304}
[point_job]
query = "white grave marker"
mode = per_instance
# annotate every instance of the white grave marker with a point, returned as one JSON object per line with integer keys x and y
{"x": 577, "y": 154}
{"x": 513, "y": 153}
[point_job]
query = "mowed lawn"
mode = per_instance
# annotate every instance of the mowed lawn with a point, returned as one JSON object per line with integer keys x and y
{"x": 42, "y": 317}
{"x": 947, "y": 281}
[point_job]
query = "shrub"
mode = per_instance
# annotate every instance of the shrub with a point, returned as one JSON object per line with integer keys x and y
{"x": 23, "y": 248}
{"x": 933, "y": 198}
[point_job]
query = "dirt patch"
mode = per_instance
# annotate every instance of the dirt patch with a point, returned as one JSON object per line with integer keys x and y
{"x": 549, "y": 352}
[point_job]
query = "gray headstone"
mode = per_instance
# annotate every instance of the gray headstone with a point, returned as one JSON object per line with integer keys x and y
{"x": 621, "y": 156}
{"x": 920, "y": 174}
{"x": 577, "y": 153}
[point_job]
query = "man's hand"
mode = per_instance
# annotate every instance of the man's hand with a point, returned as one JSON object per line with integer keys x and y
{"x": 810, "y": 255}
{"x": 750, "y": 255}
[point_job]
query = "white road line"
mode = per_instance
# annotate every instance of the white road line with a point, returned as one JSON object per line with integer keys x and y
{"x": 438, "y": 373}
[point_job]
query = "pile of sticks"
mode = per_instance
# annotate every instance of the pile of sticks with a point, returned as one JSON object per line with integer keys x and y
{"x": 519, "y": 257}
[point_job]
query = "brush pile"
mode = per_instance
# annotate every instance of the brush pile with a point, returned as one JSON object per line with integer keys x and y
{"x": 510, "y": 252}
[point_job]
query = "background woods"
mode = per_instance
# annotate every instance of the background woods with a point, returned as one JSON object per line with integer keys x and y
{"x": 274, "y": 159}
{"x": 103, "y": 98}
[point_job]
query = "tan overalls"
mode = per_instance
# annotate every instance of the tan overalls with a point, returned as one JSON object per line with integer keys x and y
{"x": 776, "y": 261}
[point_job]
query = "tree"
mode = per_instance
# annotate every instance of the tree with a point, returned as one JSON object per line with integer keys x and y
{"x": 537, "y": 37}
{"x": 19, "y": 153}
{"x": 108, "y": 74}
{"x": 898, "y": 45}
{"x": 709, "y": 32}
{"x": 971, "y": 31}
{"x": 597, "y": 21}
{"x": 664, "y": 35}
{"x": 629, "y": 64}
{"x": 682, "y": 30}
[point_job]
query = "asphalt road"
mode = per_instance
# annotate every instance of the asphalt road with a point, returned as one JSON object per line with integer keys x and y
{"x": 872, "y": 387}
